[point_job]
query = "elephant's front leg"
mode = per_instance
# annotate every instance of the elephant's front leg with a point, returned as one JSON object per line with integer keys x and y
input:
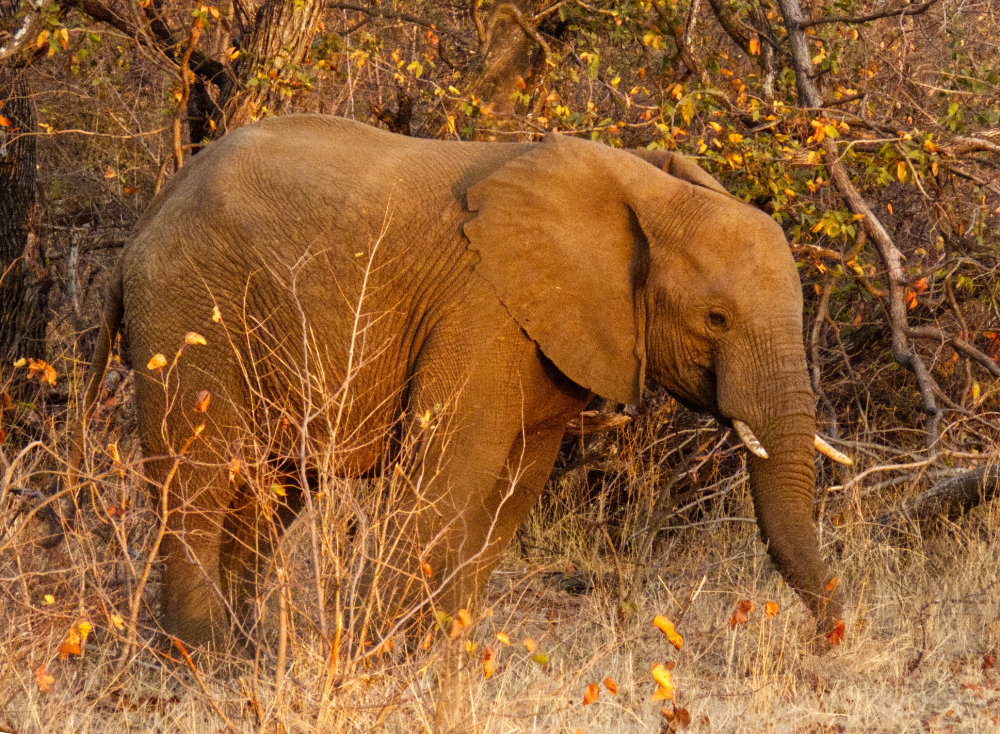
{"x": 474, "y": 484}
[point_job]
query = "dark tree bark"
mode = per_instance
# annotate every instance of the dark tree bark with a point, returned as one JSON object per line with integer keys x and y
{"x": 511, "y": 48}
{"x": 24, "y": 283}
{"x": 270, "y": 52}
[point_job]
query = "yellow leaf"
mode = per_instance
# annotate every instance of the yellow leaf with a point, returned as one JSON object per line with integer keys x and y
{"x": 735, "y": 138}
{"x": 49, "y": 599}
{"x": 193, "y": 337}
{"x": 715, "y": 126}
{"x": 84, "y": 628}
{"x": 216, "y": 315}
{"x": 901, "y": 171}
{"x": 976, "y": 390}
{"x": 667, "y": 627}
{"x": 278, "y": 490}
{"x": 20, "y": 363}
{"x": 591, "y": 694}
{"x": 502, "y": 636}
{"x": 158, "y": 362}
{"x": 43, "y": 38}
{"x": 662, "y": 677}
{"x": 234, "y": 468}
{"x": 117, "y": 621}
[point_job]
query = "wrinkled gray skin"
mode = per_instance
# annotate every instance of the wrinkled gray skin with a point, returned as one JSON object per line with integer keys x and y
{"x": 500, "y": 286}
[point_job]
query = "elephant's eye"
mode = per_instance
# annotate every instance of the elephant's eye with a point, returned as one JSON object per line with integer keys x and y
{"x": 718, "y": 320}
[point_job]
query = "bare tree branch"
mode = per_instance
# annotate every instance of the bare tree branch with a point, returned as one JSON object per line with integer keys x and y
{"x": 408, "y": 17}
{"x": 908, "y": 10}
{"x": 809, "y": 96}
{"x": 960, "y": 345}
{"x": 951, "y": 498}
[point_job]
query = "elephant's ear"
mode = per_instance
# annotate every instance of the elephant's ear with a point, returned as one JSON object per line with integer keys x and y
{"x": 680, "y": 167}
{"x": 565, "y": 253}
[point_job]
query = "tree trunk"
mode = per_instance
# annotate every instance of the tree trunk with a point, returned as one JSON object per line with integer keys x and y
{"x": 263, "y": 75}
{"x": 23, "y": 282}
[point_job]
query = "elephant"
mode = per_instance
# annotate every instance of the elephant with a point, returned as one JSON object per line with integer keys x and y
{"x": 359, "y": 281}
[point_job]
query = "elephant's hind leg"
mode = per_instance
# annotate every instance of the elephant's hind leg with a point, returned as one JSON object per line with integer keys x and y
{"x": 190, "y": 476}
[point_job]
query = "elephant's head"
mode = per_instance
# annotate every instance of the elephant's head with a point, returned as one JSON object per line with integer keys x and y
{"x": 618, "y": 269}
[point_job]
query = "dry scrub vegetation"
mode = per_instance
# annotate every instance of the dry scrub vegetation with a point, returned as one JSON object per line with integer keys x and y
{"x": 648, "y": 518}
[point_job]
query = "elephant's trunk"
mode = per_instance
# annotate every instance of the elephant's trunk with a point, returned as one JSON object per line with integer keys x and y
{"x": 778, "y": 405}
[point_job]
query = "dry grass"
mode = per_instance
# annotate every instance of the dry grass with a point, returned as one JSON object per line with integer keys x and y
{"x": 583, "y": 581}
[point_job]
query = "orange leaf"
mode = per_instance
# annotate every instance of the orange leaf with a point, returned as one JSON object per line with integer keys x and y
{"x": 72, "y": 644}
{"x": 921, "y": 285}
{"x": 832, "y": 583}
{"x": 770, "y": 609}
{"x": 4, "y": 122}
{"x": 193, "y": 337}
{"x": 591, "y": 694}
{"x": 204, "y": 398}
{"x": 426, "y": 568}
{"x": 610, "y": 684}
{"x": 667, "y": 627}
{"x": 428, "y": 638}
{"x": 45, "y": 680}
{"x": 901, "y": 171}
{"x": 489, "y": 661}
{"x": 234, "y": 468}
{"x": 755, "y": 46}
{"x": 911, "y": 299}
{"x": 42, "y": 371}
{"x": 530, "y": 644}
{"x": 502, "y": 636}
{"x": 740, "y": 615}
{"x": 157, "y": 363}
{"x": 836, "y": 635}
{"x": 462, "y": 620}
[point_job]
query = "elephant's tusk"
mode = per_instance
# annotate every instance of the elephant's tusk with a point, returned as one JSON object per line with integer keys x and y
{"x": 749, "y": 440}
{"x": 827, "y": 450}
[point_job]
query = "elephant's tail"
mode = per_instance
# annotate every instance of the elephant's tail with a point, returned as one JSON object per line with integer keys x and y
{"x": 110, "y": 321}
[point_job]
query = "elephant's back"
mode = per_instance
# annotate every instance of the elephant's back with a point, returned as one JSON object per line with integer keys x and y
{"x": 306, "y": 218}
